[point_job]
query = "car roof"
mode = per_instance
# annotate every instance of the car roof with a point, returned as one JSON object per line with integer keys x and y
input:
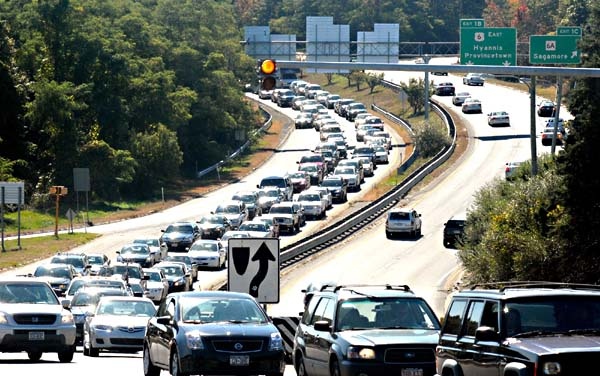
{"x": 211, "y": 294}
{"x": 521, "y": 289}
{"x": 401, "y": 210}
{"x": 377, "y": 291}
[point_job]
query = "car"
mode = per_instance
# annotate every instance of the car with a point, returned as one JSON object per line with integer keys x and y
{"x": 224, "y": 241}
{"x": 357, "y": 164}
{"x": 59, "y": 276}
{"x": 177, "y": 274}
{"x": 157, "y": 285}
{"x": 118, "y": 324}
{"x": 303, "y": 120}
{"x": 213, "y": 226}
{"x": 285, "y": 98}
{"x": 313, "y": 158}
{"x": 360, "y": 118}
{"x": 338, "y": 187}
{"x": 75, "y": 285}
{"x": 362, "y": 129}
{"x": 381, "y": 154}
{"x": 498, "y": 118}
{"x": 473, "y": 79}
{"x": 550, "y": 123}
{"x": 250, "y": 199}
{"x": 331, "y": 100}
{"x": 300, "y": 180}
{"x": 314, "y": 171}
{"x": 137, "y": 253}
{"x": 212, "y": 332}
{"x": 268, "y": 196}
{"x": 33, "y": 320}
{"x": 189, "y": 264}
{"x": 283, "y": 182}
{"x": 178, "y": 236}
{"x": 286, "y": 216}
{"x": 403, "y": 221}
{"x": 326, "y": 194}
{"x": 460, "y": 97}
{"x": 471, "y": 105}
{"x": 84, "y": 302}
{"x": 511, "y": 169}
{"x": 322, "y": 119}
{"x": 208, "y": 254}
{"x": 329, "y": 129}
{"x": 366, "y": 330}
{"x": 349, "y": 174}
{"x": 265, "y": 94}
{"x": 444, "y": 88}
{"x": 355, "y": 109}
{"x": 128, "y": 272}
{"x": 113, "y": 282}
{"x": 275, "y": 94}
{"x": 156, "y": 248}
{"x": 364, "y": 151}
{"x": 258, "y": 229}
{"x": 321, "y": 97}
{"x": 337, "y": 107}
{"x": 97, "y": 261}
{"x": 368, "y": 165}
{"x": 439, "y": 73}
{"x": 524, "y": 328}
{"x": 234, "y": 210}
{"x": 313, "y": 203}
{"x": 330, "y": 157}
{"x": 80, "y": 261}
{"x": 454, "y": 230}
{"x": 297, "y": 101}
{"x": 546, "y": 108}
{"x": 310, "y": 90}
{"x": 547, "y": 135}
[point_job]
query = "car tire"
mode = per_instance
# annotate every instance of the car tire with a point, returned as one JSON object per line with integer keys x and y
{"x": 149, "y": 368}
{"x": 66, "y": 356}
{"x": 34, "y": 356}
{"x": 418, "y": 233}
{"x": 335, "y": 368}
{"x": 300, "y": 367}
{"x": 174, "y": 366}
{"x": 388, "y": 234}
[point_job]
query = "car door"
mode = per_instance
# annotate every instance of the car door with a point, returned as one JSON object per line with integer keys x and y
{"x": 160, "y": 335}
{"x": 325, "y": 340}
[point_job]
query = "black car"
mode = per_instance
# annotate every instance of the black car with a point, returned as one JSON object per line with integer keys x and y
{"x": 285, "y": 98}
{"x": 454, "y": 230}
{"x": 136, "y": 253}
{"x": 546, "y": 109}
{"x": 444, "y": 88}
{"x": 521, "y": 328}
{"x": 178, "y": 276}
{"x": 213, "y": 226}
{"x": 80, "y": 261}
{"x": 337, "y": 186}
{"x": 59, "y": 276}
{"x": 212, "y": 332}
{"x": 179, "y": 236}
{"x": 366, "y": 330}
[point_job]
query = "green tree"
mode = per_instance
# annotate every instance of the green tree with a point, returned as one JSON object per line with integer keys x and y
{"x": 373, "y": 80}
{"x": 415, "y": 92}
{"x": 430, "y": 140}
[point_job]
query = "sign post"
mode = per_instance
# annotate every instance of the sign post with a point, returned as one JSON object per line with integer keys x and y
{"x": 488, "y": 46}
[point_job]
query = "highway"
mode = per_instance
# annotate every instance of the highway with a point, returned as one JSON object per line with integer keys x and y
{"x": 424, "y": 264}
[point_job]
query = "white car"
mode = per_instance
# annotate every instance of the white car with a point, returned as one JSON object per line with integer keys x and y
{"x": 118, "y": 324}
{"x": 403, "y": 221}
{"x": 257, "y": 229}
{"x": 473, "y": 79}
{"x": 471, "y": 105}
{"x": 381, "y": 154}
{"x": 208, "y": 254}
{"x": 157, "y": 285}
{"x": 350, "y": 175}
{"x": 224, "y": 241}
{"x": 313, "y": 203}
{"x": 159, "y": 251}
{"x": 459, "y": 98}
{"x": 326, "y": 194}
{"x": 498, "y": 118}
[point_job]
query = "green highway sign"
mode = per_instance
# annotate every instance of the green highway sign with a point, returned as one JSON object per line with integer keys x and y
{"x": 488, "y": 46}
{"x": 569, "y": 30}
{"x": 473, "y": 22}
{"x": 554, "y": 49}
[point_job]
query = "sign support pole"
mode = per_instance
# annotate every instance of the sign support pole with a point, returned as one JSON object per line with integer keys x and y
{"x": 559, "y": 83}
{"x": 2, "y": 216}
{"x": 532, "y": 129}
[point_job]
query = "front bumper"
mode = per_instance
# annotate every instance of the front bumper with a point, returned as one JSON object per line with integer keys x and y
{"x": 219, "y": 363}
{"x": 354, "y": 367}
{"x": 120, "y": 338}
{"x": 178, "y": 246}
{"x": 55, "y": 338}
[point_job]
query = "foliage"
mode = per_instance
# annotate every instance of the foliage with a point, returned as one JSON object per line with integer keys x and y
{"x": 373, "y": 79}
{"x": 415, "y": 92}
{"x": 430, "y": 140}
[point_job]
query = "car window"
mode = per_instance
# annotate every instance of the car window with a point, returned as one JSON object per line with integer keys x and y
{"x": 27, "y": 293}
{"x": 399, "y": 216}
{"x": 454, "y": 317}
{"x": 320, "y": 311}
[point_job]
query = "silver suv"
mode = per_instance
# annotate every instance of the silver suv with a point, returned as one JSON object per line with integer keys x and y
{"x": 403, "y": 221}
{"x": 32, "y": 319}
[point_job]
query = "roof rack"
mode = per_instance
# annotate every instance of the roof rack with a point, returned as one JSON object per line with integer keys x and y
{"x": 501, "y": 286}
{"x": 388, "y": 286}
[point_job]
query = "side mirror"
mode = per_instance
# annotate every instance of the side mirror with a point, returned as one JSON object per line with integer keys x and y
{"x": 163, "y": 320}
{"x": 66, "y": 304}
{"x": 486, "y": 334}
{"x": 322, "y": 326}
{"x": 146, "y": 277}
{"x": 118, "y": 252}
{"x": 88, "y": 266}
{"x": 162, "y": 230}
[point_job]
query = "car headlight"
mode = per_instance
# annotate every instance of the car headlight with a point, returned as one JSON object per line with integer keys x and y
{"x": 104, "y": 328}
{"x": 276, "y": 342}
{"x": 194, "y": 340}
{"x": 551, "y": 368}
{"x": 178, "y": 283}
{"x": 360, "y": 353}
{"x": 3, "y": 318}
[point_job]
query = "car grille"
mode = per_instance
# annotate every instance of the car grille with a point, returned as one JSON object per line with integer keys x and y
{"x": 29, "y": 319}
{"x": 237, "y": 346}
{"x": 131, "y": 329}
{"x": 409, "y": 355}
{"x": 127, "y": 341}
{"x": 572, "y": 364}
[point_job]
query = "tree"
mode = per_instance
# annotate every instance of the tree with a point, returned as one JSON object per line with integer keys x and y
{"x": 373, "y": 79}
{"x": 415, "y": 92}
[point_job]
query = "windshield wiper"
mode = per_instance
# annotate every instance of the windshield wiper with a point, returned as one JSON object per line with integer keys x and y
{"x": 194, "y": 321}
{"x": 584, "y": 331}
{"x": 535, "y": 333}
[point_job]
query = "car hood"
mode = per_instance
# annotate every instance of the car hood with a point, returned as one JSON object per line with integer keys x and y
{"x": 202, "y": 253}
{"x": 82, "y": 310}
{"x": 282, "y": 215}
{"x": 223, "y": 328}
{"x": 176, "y": 235}
{"x": 231, "y": 216}
{"x": 556, "y": 344}
{"x": 209, "y": 226}
{"x": 55, "y": 280}
{"x": 17, "y": 308}
{"x": 154, "y": 285}
{"x": 133, "y": 256}
{"x": 120, "y": 320}
{"x": 383, "y": 337}
{"x": 258, "y": 234}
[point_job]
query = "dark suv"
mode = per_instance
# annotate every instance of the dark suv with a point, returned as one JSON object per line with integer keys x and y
{"x": 366, "y": 330}
{"x": 454, "y": 230}
{"x": 521, "y": 328}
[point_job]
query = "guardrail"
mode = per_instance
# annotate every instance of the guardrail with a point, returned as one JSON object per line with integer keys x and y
{"x": 241, "y": 149}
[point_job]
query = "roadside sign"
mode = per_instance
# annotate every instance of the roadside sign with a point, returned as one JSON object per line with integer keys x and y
{"x": 472, "y": 22}
{"x": 12, "y": 192}
{"x": 554, "y": 49}
{"x": 254, "y": 268}
{"x": 569, "y": 30}
{"x": 488, "y": 46}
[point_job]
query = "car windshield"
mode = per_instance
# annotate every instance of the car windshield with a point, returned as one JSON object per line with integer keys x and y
{"x": 310, "y": 168}
{"x": 385, "y": 313}
{"x": 75, "y": 286}
{"x": 135, "y": 249}
{"x": 204, "y": 246}
{"x": 298, "y": 175}
{"x": 26, "y": 293}
{"x": 76, "y": 261}
{"x": 311, "y": 158}
{"x": 214, "y": 309}
{"x": 276, "y": 182}
{"x": 172, "y": 270}
{"x": 180, "y": 228}
{"x": 126, "y": 308}
{"x": 96, "y": 259}
{"x": 248, "y": 199}
{"x": 215, "y": 219}
{"x": 552, "y": 314}
{"x": 331, "y": 183}
{"x": 110, "y": 283}
{"x": 148, "y": 242}
{"x": 261, "y": 227}
{"x": 281, "y": 210}
{"x": 91, "y": 298}
{"x": 185, "y": 259}
{"x": 272, "y": 193}
{"x": 228, "y": 209}
{"x": 130, "y": 271}
{"x": 345, "y": 170}
{"x": 43, "y": 271}
{"x": 400, "y": 216}
{"x": 309, "y": 197}
{"x": 153, "y": 276}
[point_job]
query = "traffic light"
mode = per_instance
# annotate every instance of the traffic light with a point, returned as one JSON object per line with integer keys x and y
{"x": 267, "y": 70}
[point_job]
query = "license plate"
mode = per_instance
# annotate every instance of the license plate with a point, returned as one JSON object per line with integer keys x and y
{"x": 412, "y": 372}
{"x": 36, "y": 336}
{"x": 173, "y": 244}
{"x": 239, "y": 360}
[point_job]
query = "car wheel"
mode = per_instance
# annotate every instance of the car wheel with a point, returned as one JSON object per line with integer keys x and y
{"x": 175, "y": 371}
{"x": 300, "y": 368}
{"x": 34, "y": 356}
{"x": 149, "y": 368}
{"x": 335, "y": 368}
{"x": 66, "y": 356}
{"x": 388, "y": 234}
{"x": 419, "y": 233}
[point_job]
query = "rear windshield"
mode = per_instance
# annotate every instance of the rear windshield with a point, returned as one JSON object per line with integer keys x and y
{"x": 273, "y": 182}
{"x": 400, "y": 216}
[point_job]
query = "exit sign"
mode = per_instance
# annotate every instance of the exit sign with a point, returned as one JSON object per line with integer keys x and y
{"x": 473, "y": 22}
{"x": 554, "y": 49}
{"x": 488, "y": 46}
{"x": 569, "y": 30}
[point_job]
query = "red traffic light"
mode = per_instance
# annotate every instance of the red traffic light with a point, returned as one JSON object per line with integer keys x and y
{"x": 268, "y": 66}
